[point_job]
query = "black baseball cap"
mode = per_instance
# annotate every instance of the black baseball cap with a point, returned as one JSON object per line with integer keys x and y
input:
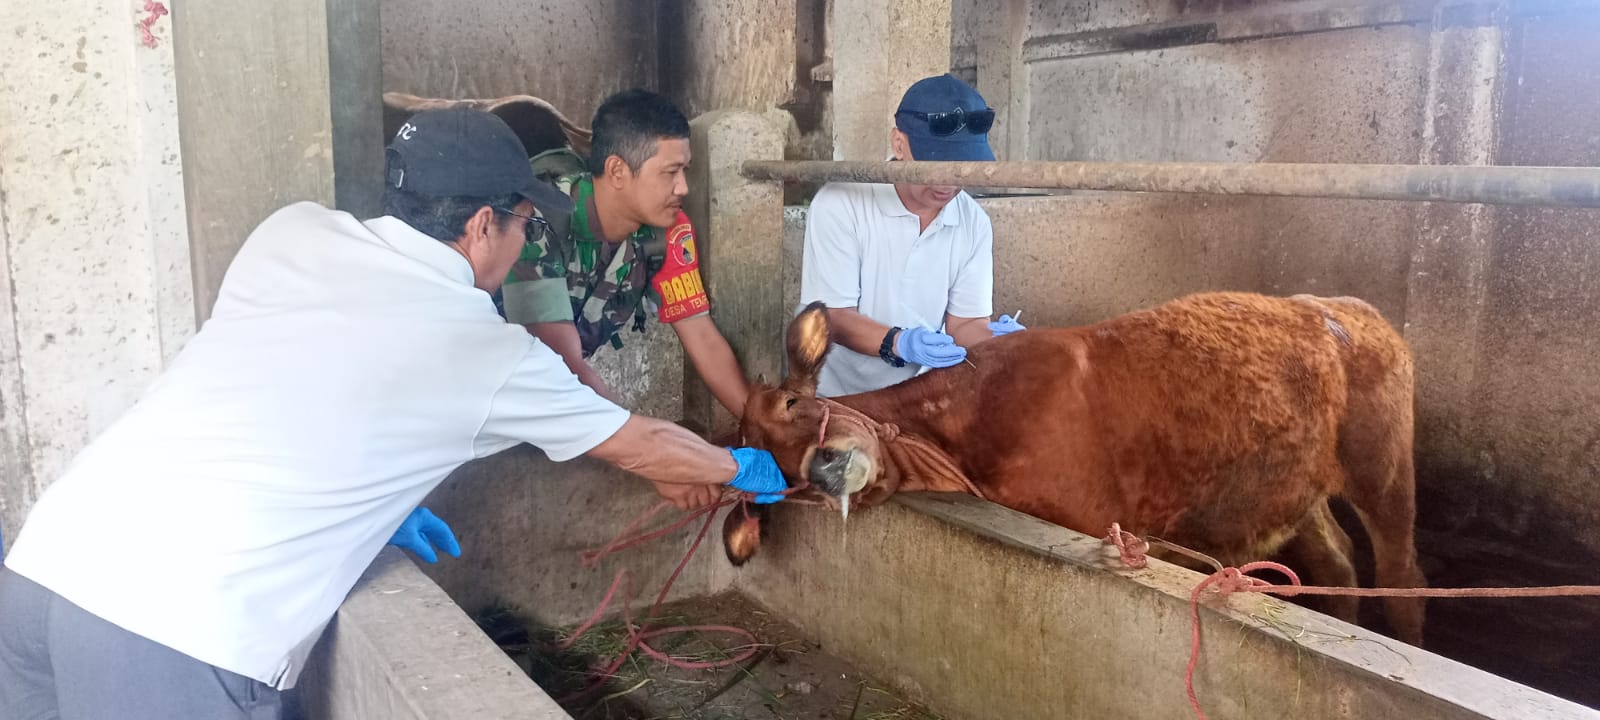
{"x": 463, "y": 152}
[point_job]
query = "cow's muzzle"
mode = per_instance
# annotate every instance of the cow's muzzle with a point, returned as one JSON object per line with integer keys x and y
{"x": 841, "y": 472}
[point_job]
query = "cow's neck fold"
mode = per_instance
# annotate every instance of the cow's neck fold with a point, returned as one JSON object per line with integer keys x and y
{"x": 914, "y": 462}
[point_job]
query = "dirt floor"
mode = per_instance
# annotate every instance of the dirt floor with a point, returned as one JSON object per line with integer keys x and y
{"x": 789, "y": 677}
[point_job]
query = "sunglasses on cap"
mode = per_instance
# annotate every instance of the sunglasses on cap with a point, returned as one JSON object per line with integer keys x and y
{"x": 976, "y": 122}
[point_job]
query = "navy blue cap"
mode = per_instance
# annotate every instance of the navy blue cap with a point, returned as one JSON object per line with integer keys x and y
{"x": 462, "y": 152}
{"x": 942, "y": 94}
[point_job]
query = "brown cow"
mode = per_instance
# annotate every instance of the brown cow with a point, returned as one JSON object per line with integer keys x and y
{"x": 1222, "y": 422}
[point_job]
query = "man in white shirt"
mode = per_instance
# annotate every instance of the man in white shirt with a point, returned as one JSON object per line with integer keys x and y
{"x": 347, "y": 369}
{"x": 907, "y": 271}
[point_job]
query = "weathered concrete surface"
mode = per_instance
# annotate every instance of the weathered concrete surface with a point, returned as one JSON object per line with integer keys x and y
{"x": 1511, "y": 474}
{"x": 1082, "y": 258}
{"x": 1448, "y": 275}
{"x": 1002, "y": 77}
{"x": 739, "y": 232}
{"x": 522, "y": 521}
{"x": 983, "y": 612}
{"x": 399, "y": 649}
{"x": 879, "y": 50}
{"x": 725, "y": 54}
{"x": 355, "y": 85}
{"x": 572, "y": 54}
{"x": 95, "y": 293}
{"x": 1335, "y": 97}
{"x": 255, "y": 77}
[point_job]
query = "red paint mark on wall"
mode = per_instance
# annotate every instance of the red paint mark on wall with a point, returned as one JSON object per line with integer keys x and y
{"x": 154, "y": 12}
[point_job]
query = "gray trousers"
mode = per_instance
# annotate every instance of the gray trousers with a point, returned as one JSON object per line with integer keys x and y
{"x": 58, "y": 661}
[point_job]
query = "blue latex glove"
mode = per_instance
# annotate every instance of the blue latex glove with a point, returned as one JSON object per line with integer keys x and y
{"x": 928, "y": 347}
{"x": 1005, "y": 326}
{"x": 759, "y": 474}
{"x": 421, "y": 531}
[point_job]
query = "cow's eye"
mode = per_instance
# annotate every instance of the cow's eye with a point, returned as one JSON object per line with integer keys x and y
{"x": 789, "y": 404}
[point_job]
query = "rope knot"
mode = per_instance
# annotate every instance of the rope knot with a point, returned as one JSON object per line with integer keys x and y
{"x": 1133, "y": 549}
{"x": 888, "y": 432}
{"x": 1230, "y": 580}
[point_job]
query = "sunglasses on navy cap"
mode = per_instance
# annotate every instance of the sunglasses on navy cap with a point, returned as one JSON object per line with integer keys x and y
{"x": 941, "y": 124}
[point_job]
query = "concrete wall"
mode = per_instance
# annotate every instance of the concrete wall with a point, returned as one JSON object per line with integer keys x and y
{"x": 256, "y": 78}
{"x": 728, "y": 55}
{"x": 879, "y": 49}
{"x": 522, "y": 521}
{"x": 95, "y": 290}
{"x": 399, "y": 649}
{"x": 572, "y": 54}
{"x": 982, "y": 612}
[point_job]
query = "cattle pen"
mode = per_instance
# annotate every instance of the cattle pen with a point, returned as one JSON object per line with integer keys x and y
{"x": 959, "y": 606}
{"x": 1438, "y": 159}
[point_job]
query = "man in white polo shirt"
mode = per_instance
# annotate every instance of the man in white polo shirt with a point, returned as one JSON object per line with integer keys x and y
{"x": 907, "y": 271}
{"x": 193, "y": 553}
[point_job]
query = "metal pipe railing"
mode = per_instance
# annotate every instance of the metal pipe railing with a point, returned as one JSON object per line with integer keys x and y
{"x": 1492, "y": 184}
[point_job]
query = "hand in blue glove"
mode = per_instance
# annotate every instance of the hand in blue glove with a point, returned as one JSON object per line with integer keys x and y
{"x": 1005, "y": 326}
{"x": 928, "y": 347}
{"x": 759, "y": 474}
{"x": 421, "y": 531}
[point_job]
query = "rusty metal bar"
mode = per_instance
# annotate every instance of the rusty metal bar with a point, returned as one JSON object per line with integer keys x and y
{"x": 1491, "y": 184}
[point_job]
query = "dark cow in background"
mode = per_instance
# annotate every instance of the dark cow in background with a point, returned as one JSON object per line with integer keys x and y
{"x": 537, "y": 123}
{"x": 1222, "y": 422}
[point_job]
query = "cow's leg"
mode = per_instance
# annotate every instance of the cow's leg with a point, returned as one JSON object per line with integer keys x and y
{"x": 1375, "y": 448}
{"x": 1390, "y": 519}
{"x": 1322, "y": 550}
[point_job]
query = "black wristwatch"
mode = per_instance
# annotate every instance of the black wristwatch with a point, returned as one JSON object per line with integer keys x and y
{"x": 886, "y": 350}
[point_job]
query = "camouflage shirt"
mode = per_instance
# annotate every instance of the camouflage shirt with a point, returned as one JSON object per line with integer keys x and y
{"x": 602, "y": 287}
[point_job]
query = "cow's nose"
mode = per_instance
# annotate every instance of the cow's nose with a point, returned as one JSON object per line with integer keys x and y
{"x": 839, "y": 472}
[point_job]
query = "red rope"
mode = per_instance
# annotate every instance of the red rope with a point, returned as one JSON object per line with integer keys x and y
{"x": 1228, "y": 580}
{"x": 155, "y": 10}
{"x": 638, "y": 634}
{"x": 1131, "y": 547}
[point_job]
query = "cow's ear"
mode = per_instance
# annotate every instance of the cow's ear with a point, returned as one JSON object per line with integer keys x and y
{"x": 808, "y": 342}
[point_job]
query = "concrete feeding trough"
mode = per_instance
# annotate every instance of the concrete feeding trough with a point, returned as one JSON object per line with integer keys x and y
{"x": 931, "y": 606}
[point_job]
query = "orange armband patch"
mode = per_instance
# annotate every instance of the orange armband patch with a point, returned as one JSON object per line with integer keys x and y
{"x": 678, "y": 283}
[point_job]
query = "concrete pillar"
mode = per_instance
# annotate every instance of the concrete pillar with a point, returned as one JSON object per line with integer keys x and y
{"x": 95, "y": 294}
{"x": 739, "y": 233}
{"x": 725, "y": 54}
{"x": 1002, "y": 76}
{"x": 879, "y": 49}
{"x": 355, "y": 86}
{"x": 1448, "y": 284}
{"x": 254, "y": 93}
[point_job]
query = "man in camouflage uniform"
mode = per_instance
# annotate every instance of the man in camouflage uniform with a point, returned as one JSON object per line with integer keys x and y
{"x": 627, "y": 250}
